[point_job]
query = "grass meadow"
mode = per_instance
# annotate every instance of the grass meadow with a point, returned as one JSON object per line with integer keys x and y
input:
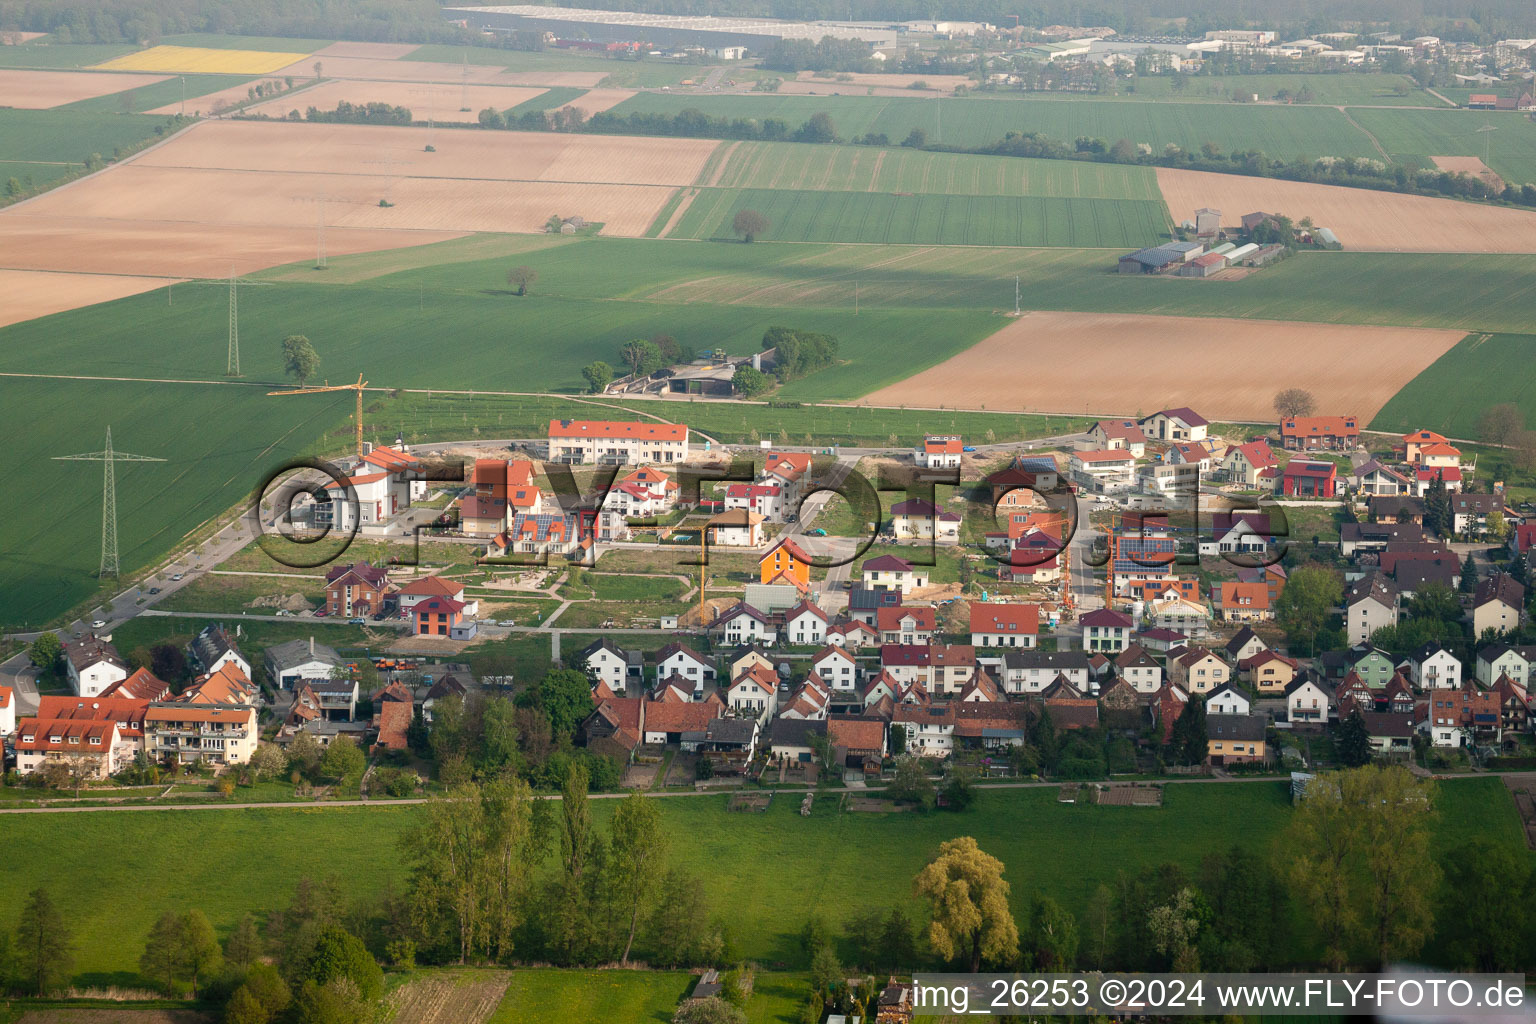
{"x": 158, "y": 94}
{"x": 978, "y": 120}
{"x": 863, "y": 860}
{"x": 66, "y": 56}
{"x": 882, "y": 218}
{"x": 550, "y": 996}
{"x": 622, "y": 74}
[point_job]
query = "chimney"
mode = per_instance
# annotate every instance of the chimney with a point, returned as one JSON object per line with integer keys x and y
{"x": 311, "y": 647}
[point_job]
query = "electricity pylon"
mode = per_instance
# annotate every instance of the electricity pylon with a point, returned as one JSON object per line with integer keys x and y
{"x": 109, "y": 562}
{"x": 232, "y": 363}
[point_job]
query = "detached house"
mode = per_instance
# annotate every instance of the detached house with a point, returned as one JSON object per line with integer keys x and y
{"x": 1432, "y": 667}
{"x": 940, "y": 668}
{"x": 755, "y": 690}
{"x": 785, "y": 562}
{"x": 1303, "y": 478}
{"x": 1227, "y": 700}
{"x": 1033, "y": 671}
{"x": 1373, "y": 480}
{"x": 606, "y": 661}
{"x": 1198, "y": 671}
{"x": 1117, "y": 435}
{"x": 1103, "y": 472}
{"x": 412, "y": 594}
{"x": 678, "y": 660}
{"x": 1497, "y": 605}
{"x": 743, "y": 624}
{"x": 1307, "y": 702}
{"x": 887, "y": 572}
{"x": 1182, "y": 424}
{"x": 1244, "y": 645}
{"x": 1370, "y": 604}
{"x": 213, "y": 648}
{"x": 1004, "y": 625}
{"x": 920, "y": 519}
{"x": 288, "y": 664}
{"x": 356, "y": 590}
{"x": 737, "y": 528}
{"x": 1235, "y": 739}
{"x": 1245, "y": 462}
{"x": 1106, "y": 630}
{"x": 93, "y": 664}
{"x": 1243, "y": 602}
{"x": 906, "y": 624}
{"x": 1495, "y": 660}
{"x": 941, "y": 453}
{"x": 1271, "y": 673}
{"x": 805, "y": 623}
{"x": 836, "y": 667}
{"x": 1140, "y": 669}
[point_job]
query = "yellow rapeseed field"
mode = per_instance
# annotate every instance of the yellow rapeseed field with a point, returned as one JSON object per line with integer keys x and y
{"x": 191, "y": 59}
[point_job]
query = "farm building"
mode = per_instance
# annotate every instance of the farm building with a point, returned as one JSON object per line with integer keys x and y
{"x": 1159, "y": 258}
{"x": 1204, "y": 266}
{"x": 1266, "y": 254}
{"x": 1482, "y": 101}
{"x": 1241, "y": 253}
{"x": 1325, "y": 236}
{"x": 1207, "y": 223}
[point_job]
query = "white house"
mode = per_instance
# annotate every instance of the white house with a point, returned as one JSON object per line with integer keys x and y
{"x": 413, "y": 593}
{"x": 930, "y": 729}
{"x": 1033, "y": 671}
{"x": 7, "y": 711}
{"x": 1140, "y": 669}
{"x": 1307, "y": 701}
{"x": 606, "y": 661}
{"x": 1496, "y": 605}
{"x": 1103, "y": 472}
{"x": 743, "y": 624}
{"x": 920, "y": 519}
{"x": 643, "y": 493}
{"x": 1182, "y": 424}
{"x": 754, "y": 690}
{"x": 617, "y": 443}
{"x": 1432, "y": 667}
{"x": 852, "y": 635}
{"x": 1245, "y": 462}
{"x": 1116, "y": 435}
{"x": 767, "y": 500}
{"x": 836, "y": 667}
{"x": 679, "y": 660}
{"x": 887, "y": 572}
{"x": 906, "y": 624}
{"x": 1497, "y": 660}
{"x": 1370, "y": 604}
{"x": 736, "y": 528}
{"x": 1227, "y": 699}
{"x": 93, "y": 664}
{"x": 1106, "y": 630}
{"x": 213, "y": 648}
{"x": 1199, "y": 671}
{"x": 941, "y": 453}
{"x": 805, "y": 623}
{"x": 1004, "y": 625}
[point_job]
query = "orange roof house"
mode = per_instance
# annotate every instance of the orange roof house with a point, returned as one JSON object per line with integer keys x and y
{"x": 785, "y": 559}
{"x": 392, "y": 721}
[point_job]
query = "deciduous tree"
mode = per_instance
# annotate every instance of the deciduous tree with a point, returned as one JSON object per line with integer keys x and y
{"x": 1311, "y": 592}
{"x": 45, "y": 946}
{"x": 968, "y": 898}
{"x": 598, "y": 376}
{"x": 1291, "y": 402}
{"x": 522, "y": 278}
{"x": 639, "y": 847}
{"x": 45, "y": 651}
{"x": 1500, "y": 424}
{"x": 749, "y": 224}
{"x": 300, "y": 361}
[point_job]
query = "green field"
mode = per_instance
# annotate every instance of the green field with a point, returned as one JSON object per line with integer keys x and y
{"x": 158, "y": 94}
{"x": 41, "y": 54}
{"x": 268, "y": 851}
{"x": 49, "y": 136}
{"x": 38, "y": 173}
{"x": 216, "y": 441}
{"x": 1348, "y": 88}
{"x": 549, "y": 99}
{"x": 629, "y": 74}
{"x": 979, "y": 121}
{"x": 218, "y": 41}
{"x": 880, "y": 218}
{"x": 1453, "y": 391}
{"x": 1413, "y": 136}
{"x": 788, "y": 165}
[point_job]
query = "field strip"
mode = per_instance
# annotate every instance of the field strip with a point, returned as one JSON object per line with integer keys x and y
{"x": 688, "y": 196}
{"x": 1078, "y": 361}
{"x": 1363, "y": 219}
{"x": 29, "y": 294}
{"x": 715, "y": 166}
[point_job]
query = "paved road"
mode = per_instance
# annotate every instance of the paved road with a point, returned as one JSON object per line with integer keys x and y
{"x": 21, "y": 677}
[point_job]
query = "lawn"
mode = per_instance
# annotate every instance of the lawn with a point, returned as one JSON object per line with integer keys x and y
{"x": 930, "y": 219}
{"x": 31, "y": 174}
{"x": 548, "y": 996}
{"x": 1453, "y": 391}
{"x": 53, "y": 136}
{"x": 788, "y": 165}
{"x": 269, "y": 850}
{"x": 979, "y": 121}
{"x": 1413, "y": 136}
{"x": 216, "y": 593}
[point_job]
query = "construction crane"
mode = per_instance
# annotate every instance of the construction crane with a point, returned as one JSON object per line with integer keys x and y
{"x": 328, "y": 386}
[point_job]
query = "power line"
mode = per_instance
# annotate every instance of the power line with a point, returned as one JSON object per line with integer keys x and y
{"x": 109, "y": 559}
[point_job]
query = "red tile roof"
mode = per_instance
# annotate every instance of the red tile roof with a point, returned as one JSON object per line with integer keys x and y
{"x": 889, "y": 619}
{"x": 629, "y": 429}
{"x": 392, "y": 721}
{"x": 1004, "y": 618}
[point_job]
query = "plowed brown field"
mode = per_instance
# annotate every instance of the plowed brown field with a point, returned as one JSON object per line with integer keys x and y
{"x": 1119, "y": 363}
{"x": 41, "y": 90}
{"x": 595, "y": 101}
{"x": 1361, "y": 218}
{"x": 325, "y": 149}
{"x": 435, "y": 101}
{"x": 27, "y": 294}
{"x": 444, "y": 998}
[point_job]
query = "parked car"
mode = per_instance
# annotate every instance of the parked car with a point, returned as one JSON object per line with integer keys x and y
{"x": 357, "y": 620}
{"x": 321, "y": 613}
{"x": 818, "y": 532}
{"x": 968, "y": 448}
{"x": 99, "y": 624}
{"x": 154, "y": 590}
{"x": 507, "y": 622}
{"x": 381, "y": 616}
{"x": 178, "y": 577}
